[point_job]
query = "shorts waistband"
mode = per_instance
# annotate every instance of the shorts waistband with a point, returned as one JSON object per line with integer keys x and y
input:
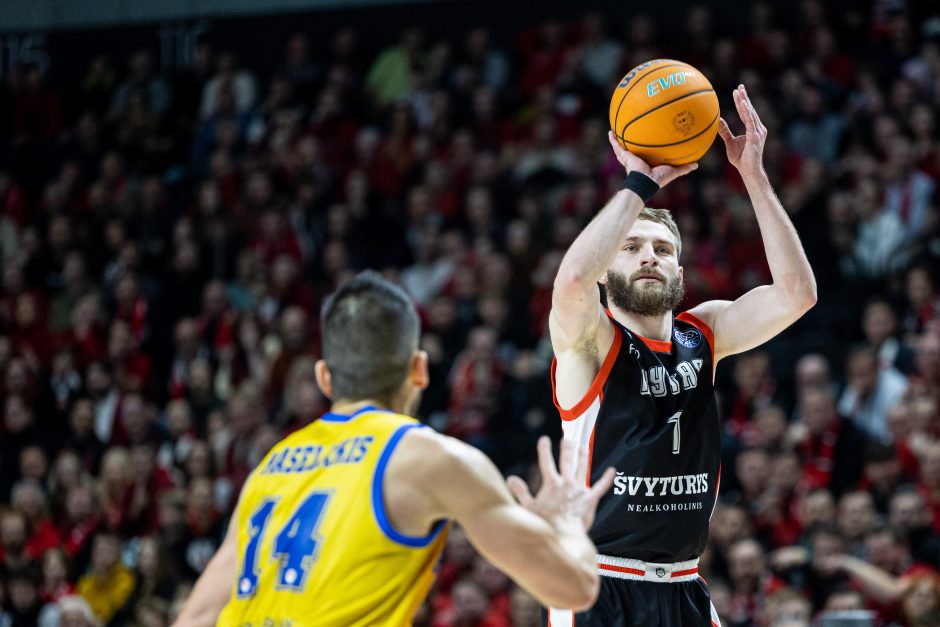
{"x": 638, "y": 570}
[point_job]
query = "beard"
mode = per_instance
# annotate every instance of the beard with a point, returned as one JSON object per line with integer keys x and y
{"x": 646, "y": 299}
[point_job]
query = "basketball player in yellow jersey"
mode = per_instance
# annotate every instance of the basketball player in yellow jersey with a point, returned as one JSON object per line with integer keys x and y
{"x": 343, "y": 522}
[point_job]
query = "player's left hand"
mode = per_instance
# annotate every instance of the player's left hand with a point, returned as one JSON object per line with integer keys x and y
{"x": 745, "y": 152}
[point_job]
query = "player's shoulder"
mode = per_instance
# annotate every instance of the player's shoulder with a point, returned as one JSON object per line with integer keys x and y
{"x": 387, "y": 418}
{"x": 702, "y": 317}
{"x": 425, "y": 454}
{"x": 368, "y": 419}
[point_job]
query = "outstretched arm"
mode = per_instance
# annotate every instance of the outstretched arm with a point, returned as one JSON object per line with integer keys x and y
{"x": 765, "y": 311}
{"x": 542, "y": 544}
{"x": 576, "y": 314}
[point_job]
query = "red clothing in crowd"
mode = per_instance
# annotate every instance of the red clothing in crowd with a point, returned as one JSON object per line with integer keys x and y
{"x": 45, "y": 536}
{"x": 77, "y": 538}
{"x": 818, "y": 453}
{"x": 54, "y": 594}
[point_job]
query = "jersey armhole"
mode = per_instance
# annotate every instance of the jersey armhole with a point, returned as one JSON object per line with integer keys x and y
{"x": 378, "y": 497}
{"x": 597, "y": 385}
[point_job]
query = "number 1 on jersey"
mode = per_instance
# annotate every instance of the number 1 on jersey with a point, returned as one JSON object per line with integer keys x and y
{"x": 674, "y": 419}
{"x": 248, "y": 580}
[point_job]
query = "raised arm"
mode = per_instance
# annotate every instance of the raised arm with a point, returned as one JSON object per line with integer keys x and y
{"x": 543, "y": 546}
{"x": 576, "y": 313}
{"x": 765, "y": 311}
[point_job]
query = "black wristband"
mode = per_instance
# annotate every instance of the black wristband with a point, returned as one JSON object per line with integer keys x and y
{"x": 641, "y": 184}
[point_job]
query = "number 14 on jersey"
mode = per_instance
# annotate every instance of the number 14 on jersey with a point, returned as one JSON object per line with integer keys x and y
{"x": 295, "y": 546}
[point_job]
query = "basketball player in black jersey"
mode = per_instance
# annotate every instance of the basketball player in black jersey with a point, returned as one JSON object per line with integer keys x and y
{"x": 634, "y": 383}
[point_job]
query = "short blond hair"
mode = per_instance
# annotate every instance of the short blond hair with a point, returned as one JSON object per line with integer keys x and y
{"x": 663, "y": 216}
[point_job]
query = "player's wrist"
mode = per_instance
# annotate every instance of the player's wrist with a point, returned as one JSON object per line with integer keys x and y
{"x": 641, "y": 184}
{"x": 755, "y": 178}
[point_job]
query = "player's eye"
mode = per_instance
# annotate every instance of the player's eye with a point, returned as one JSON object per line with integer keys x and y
{"x": 664, "y": 250}
{"x": 629, "y": 248}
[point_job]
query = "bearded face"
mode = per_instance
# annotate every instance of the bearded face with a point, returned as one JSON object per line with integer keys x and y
{"x": 642, "y": 296}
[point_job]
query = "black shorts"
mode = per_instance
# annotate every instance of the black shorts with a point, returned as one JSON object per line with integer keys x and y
{"x": 629, "y": 603}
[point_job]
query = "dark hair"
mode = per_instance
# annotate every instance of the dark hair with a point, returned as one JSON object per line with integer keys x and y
{"x": 876, "y": 451}
{"x": 370, "y": 331}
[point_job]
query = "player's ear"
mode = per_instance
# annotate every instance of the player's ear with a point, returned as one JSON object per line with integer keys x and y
{"x": 603, "y": 279}
{"x": 419, "y": 374}
{"x": 681, "y": 272}
{"x": 324, "y": 380}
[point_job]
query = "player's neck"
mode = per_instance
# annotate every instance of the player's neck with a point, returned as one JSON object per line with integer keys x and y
{"x": 650, "y": 327}
{"x": 344, "y": 407}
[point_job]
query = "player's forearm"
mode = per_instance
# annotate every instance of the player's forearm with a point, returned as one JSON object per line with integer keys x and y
{"x": 561, "y": 570}
{"x": 789, "y": 266}
{"x": 583, "y": 563}
{"x": 595, "y": 249}
{"x": 874, "y": 581}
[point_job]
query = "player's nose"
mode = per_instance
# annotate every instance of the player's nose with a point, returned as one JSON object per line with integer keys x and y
{"x": 648, "y": 255}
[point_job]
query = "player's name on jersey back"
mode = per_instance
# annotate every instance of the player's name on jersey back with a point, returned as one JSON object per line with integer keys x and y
{"x": 295, "y": 459}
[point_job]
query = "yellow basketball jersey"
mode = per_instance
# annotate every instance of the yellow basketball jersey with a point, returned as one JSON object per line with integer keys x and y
{"x": 315, "y": 545}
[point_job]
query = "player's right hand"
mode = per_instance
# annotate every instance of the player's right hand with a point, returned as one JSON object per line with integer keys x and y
{"x": 662, "y": 174}
{"x": 563, "y": 497}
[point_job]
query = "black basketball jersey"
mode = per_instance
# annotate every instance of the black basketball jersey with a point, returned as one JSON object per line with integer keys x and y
{"x": 651, "y": 414}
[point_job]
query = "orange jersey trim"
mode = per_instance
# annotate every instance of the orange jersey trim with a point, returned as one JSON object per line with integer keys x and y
{"x": 587, "y": 479}
{"x": 597, "y": 386}
{"x": 699, "y": 324}
{"x": 657, "y": 346}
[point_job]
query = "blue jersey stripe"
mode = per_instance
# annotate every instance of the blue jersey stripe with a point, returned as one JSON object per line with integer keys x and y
{"x": 378, "y": 502}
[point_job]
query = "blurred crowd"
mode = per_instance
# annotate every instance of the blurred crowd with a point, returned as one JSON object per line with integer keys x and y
{"x": 166, "y": 239}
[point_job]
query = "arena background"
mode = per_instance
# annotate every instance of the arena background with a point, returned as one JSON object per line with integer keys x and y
{"x": 181, "y": 185}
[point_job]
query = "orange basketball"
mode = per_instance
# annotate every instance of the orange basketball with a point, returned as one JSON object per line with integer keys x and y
{"x": 665, "y": 111}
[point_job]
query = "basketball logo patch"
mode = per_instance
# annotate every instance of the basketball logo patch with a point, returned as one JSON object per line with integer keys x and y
{"x": 689, "y": 339}
{"x": 684, "y": 122}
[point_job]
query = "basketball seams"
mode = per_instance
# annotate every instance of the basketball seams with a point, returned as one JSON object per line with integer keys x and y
{"x": 708, "y": 126}
{"x": 636, "y": 80}
{"x": 665, "y": 104}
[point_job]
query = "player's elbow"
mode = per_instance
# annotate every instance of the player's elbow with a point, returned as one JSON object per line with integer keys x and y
{"x": 801, "y": 292}
{"x": 560, "y": 572}
{"x": 808, "y": 295}
{"x": 568, "y": 281}
{"x": 584, "y": 592}
{"x": 575, "y": 588}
